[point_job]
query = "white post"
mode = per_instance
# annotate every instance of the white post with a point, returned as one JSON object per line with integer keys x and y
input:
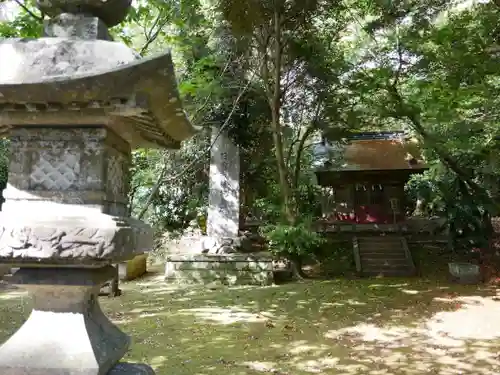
{"x": 224, "y": 194}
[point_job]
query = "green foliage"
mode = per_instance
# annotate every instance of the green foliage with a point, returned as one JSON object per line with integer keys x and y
{"x": 24, "y": 25}
{"x": 183, "y": 191}
{"x": 427, "y": 67}
{"x": 247, "y": 15}
{"x": 292, "y": 240}
{"x": 267, "y": 207}
{"x": 182, "y": 196}
{"x": 435, "y": 74}
{"x": 444, "y": 195}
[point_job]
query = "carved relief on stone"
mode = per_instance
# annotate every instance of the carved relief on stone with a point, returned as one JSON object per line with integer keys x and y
{"x": 52, "y": 240}
{"x": 49, "y": 242}
{"x": 225, "y": 160}
{"x": 55, "y": 169}
{"x": 18, "y": 164}
{"x": 116, "y": 176}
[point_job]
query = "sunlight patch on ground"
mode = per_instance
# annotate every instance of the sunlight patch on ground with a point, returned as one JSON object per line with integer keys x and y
{"x": 341, "y": 327}
{"x": 375, "y": 286}
{"x": 409, "y": 291}
{"x": 251, "y": 287}
{"x": 227, "y": 315}
{"x": 13, "y": 294}
{"x": 258, "y": 366}
{"x": 348, "y": 302}
{"x": 369, "y": 333}
{"x": 157, "y": 361}
{"x": 456, "y": 342}
{"x": 477, "y": 319}
{"x": 302, "y": 346}
{"x": 150, "y": 281}
{"x": 317, "y": 366}
{"x": 154, "y": 284}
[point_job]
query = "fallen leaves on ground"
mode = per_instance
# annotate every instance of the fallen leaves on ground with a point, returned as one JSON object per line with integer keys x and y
{"x": 342, "y": 327}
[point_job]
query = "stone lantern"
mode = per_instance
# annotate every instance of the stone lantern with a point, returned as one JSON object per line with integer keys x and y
{"x": 74, "y": 103}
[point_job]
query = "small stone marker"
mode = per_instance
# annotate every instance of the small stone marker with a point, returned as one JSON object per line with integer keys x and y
{"x": 74, "y": 104}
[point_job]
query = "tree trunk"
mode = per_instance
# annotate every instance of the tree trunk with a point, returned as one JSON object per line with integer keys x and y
{"x": 300, "y": 149}
{"x": 296, "y": 268}
{"x": 282, "y": 170}
{"x": 275, "y": 104}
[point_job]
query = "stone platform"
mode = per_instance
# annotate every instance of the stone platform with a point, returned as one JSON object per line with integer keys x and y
{"x": 225, "y": 269}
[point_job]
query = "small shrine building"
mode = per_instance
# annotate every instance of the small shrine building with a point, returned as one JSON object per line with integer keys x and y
{"x": 364, "y": 176}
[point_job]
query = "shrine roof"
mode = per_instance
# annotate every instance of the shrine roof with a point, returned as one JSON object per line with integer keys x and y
{"x": 370, "y": 152}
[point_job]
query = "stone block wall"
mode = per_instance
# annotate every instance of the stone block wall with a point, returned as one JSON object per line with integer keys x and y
{"x": 229, "y": 269}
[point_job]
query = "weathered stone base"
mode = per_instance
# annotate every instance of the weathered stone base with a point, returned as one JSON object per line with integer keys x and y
{"x": 66, "y": 333}
{"x": 229, "y": 269}
{"x": 131, "y": 369}
{"x": 133, "y": 268}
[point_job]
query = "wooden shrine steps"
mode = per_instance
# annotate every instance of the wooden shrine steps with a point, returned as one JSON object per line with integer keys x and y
{"x": 383, "y": 256}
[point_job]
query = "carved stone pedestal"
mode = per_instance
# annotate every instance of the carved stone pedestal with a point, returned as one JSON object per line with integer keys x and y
{"x": 131, "y": 369}
{"x": 66, "y": 333}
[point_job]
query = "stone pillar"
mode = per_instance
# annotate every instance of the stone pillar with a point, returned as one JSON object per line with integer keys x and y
{"x": 74, "y": 106}
{"x": 224, "y": 194}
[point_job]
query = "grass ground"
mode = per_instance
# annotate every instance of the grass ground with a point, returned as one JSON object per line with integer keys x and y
{"x": 368, "y": 326}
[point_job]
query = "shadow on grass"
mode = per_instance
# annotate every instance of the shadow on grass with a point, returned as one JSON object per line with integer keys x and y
{"x": 341, "y": 326}
{"x": 377, "y": 326}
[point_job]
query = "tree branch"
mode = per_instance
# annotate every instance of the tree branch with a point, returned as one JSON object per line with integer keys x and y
{"x": 27, "y": 10}
{"x": 400, "y": 60}
{"x": 465, "y": 174}
{"x": 163, "y": 171}
{"x": 300, "y": 148}
{"x": 292, "y": 144}
{"x": 151, "y": 36}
